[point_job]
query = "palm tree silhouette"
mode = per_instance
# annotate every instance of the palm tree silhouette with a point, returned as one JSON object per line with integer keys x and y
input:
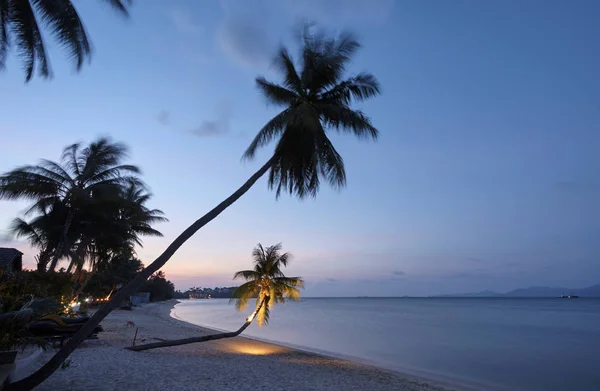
{"x": 84, "y": 177}
{"x": 266, "y": 282}
{"x": 20, "y": 26}
{"x": 317, "y": 100}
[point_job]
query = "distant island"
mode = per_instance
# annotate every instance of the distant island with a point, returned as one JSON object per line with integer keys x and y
{"x": 535, "y": 291}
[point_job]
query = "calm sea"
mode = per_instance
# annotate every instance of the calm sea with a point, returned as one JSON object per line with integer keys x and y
{"x": 498, "y": 344}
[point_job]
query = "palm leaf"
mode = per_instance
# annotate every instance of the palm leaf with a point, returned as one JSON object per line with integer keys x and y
{"x": 268, "y": 132}
{"x": 275, "y": 93}
{"x": 28, "y": 38}
{"x": 4, "y": 27}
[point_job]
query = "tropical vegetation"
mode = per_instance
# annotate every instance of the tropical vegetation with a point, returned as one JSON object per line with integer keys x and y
{"x": 21, "y": 24}
{"x": 89, "y": 209}
{"x": 316, "y": 97}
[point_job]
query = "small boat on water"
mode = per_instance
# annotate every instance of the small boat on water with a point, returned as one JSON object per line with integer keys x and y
{"x": 569, "y": 297}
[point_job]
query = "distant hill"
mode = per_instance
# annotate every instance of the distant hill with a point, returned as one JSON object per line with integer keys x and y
{"x": 536, "y": 291}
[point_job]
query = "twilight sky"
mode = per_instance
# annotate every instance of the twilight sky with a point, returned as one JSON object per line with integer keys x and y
{"x": 486, "y": 175}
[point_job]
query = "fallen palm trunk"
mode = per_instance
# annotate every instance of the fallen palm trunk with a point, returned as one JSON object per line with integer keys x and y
{"x": 206, "y": 338}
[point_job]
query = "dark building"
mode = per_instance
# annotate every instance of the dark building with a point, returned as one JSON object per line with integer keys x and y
{"x": 11, "y": 259}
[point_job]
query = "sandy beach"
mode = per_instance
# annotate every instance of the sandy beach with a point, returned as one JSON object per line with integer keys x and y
{"x": 232, "y": 364}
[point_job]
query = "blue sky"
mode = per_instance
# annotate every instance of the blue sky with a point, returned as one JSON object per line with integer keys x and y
{"x": 486, "y": 174}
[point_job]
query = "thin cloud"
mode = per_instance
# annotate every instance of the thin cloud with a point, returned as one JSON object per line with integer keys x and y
{"x": 245, "y": 43}
{"x": 367, "y": 12}
{"x": 331, "y": 279}
{"x": 398, "y": 273}
{"x": 183, "y": 22}
{"x": 215, "y": 127}
{"x": 163, "y": 117}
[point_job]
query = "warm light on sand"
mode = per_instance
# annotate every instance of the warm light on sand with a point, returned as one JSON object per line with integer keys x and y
{"x": 253, "y": 348}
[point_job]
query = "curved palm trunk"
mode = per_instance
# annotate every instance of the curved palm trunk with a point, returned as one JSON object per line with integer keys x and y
{"x": 63, "y": 243}
{"x": 54, "y": 363}
{"x": 185, "y": 341}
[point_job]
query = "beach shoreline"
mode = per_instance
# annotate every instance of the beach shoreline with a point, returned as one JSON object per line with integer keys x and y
{"x": 239, "y": 363}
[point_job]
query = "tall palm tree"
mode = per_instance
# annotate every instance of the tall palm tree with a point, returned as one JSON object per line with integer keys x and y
{"x": 317, "y": 99}
{"x": 20, "y": 26}
{"x": 266, "y": 282}
{"x": 94, "y": 170}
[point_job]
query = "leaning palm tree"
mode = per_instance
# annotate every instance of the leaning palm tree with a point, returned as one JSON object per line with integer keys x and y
{"x": 316, "y": 100}
{"x": 95, "y": 170}
{"x": 265, "y": 282}
{"x": 20, "y": 26}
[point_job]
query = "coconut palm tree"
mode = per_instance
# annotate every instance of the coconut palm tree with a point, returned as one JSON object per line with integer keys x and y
{"x": 113, "y": 228}
{"x": 94, "y": 170}
{"x": 265, "y": 282}
{"x": 20, "y": 26}
{"x": 316, "y": 99}
{"x": 44, "y": 232}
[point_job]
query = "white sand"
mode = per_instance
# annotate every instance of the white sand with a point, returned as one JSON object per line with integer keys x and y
{"x": 230, "y": 364}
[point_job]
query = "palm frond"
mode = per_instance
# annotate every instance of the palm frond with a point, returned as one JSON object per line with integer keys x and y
{"x": 268, "y": 132}
{"x": 285, "y": 64}
{"x": 343, "y": 118}
{"x": 28, "y": 38}
{"x": 295, "y": 282}
{"x": 248, "y": 275}
{"x": 70, "y": 158}
{"x": 4, "y": 27}
{"x": 43, "y": 205}
{"x": 66, "y": 26}
{"x": 274, "y": 93}
{"x": 24, "y": 182}
{"x": 359, "y": 88}
{"x": 61, "y": 175}
{"x": 113, "y": 173}
{"x": 121, "y": 6}
{"x": 20, "y": 228}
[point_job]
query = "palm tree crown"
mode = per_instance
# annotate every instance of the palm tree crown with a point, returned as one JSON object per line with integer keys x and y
{"x": 19, "y": 25}
{"x": 96, "y": 169}
{"x": 316, "y": 98}
{"x": 266, "y": 282}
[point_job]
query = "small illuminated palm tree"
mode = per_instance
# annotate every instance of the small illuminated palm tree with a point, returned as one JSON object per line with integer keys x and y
{"x": 266, "y": 282}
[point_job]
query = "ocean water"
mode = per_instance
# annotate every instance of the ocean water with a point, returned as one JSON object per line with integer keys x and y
{"x": 493, "y": 344}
